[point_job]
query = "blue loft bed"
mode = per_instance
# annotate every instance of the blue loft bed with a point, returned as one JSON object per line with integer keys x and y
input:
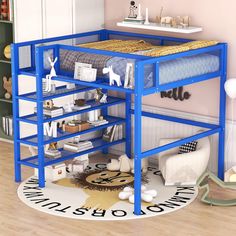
{"x": 161, "y": 80}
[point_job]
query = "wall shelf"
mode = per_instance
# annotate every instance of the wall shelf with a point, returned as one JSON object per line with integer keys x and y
{"x": 5, "y": 100}
{"x": 6, "y": 21}
{"x": 5, "y": 61}
{"x": 159, "y": 27}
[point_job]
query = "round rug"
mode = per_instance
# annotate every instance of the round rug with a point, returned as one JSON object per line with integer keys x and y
{"x": 94, "y": 195}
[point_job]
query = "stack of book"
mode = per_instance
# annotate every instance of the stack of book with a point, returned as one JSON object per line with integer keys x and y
{"x": 133, "y": 21}
{"x": 78, "y": 146}
{"x": 52, "y": 153}
{"x": 52, "y": 112}
{"x": 7, "y": 124}
{"x": 98, "y": 122}
{"x": 78, "y": 108}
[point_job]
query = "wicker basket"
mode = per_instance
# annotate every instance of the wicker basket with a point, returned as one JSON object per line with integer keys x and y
{"x": 77, "y": 128}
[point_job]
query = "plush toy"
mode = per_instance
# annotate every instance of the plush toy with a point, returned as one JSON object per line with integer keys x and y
{"x": 146, "y": 195}
{"x": 125, "y": 164}
{"x": 7, "y": 85}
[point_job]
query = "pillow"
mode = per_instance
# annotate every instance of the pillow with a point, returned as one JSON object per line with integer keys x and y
{"x": 200, "y": 44}
{"x": 167, "y": 50}
{"x": 188, "y": 147}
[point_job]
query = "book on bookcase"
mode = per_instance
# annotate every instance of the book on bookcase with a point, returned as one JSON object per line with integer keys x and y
{"x": 10, "y": 10}
{"x": 7, "y": 124}
{"x": 109, "y": 133}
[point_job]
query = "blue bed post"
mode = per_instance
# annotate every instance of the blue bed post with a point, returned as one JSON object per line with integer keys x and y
{"x": 104, "y": 36}
{"x": 15, "y": 88}
{"x": 222, "y": 119}
{"x": 39, "y": 92}
{"x": 128, "y": 127}
{"x": 138, "y": 137}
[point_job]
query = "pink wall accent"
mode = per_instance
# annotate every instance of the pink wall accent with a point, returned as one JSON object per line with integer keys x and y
{"x": 217, "y": 19}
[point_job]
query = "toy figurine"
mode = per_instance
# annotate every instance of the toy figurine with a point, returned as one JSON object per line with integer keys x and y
{"x": 53, "y": 73}
{"x": 48, "y": 104}
{"x": 132, "y": 10}
{"x": 112, "y": 76}
{"x": 98, "y": 95}
{"x": 103, "y": 99}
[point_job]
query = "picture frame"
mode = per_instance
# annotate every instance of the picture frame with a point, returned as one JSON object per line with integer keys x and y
{"x": 129, "y": 76}
{"x": 88, "y": 74}
{"x": 78, "y": 67}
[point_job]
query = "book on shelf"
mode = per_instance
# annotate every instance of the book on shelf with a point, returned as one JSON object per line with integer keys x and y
{"x": 10, "y": 10}
{"x": 7, "y": 124}
{"x": 53, "y": 153}
{"x": 109, "y": 133}
{"x": 53, "y": 112}
{"x": 133, "y": 20}
{"x": 78, "y": 146}
{"x": 118, "y": 133}
{"x": 78, "y": 108}
{"x": 98, "y": 122}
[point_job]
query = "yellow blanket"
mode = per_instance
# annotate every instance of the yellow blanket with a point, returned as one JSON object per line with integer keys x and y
{"x": 132, "y": 46}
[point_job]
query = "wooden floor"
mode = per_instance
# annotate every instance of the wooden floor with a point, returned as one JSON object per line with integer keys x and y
{"x": 18, "y": 219}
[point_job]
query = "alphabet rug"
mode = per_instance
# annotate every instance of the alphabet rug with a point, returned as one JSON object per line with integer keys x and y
{"x": 93, "y": 195}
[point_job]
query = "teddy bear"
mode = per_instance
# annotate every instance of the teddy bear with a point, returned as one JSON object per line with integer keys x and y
{"x": 7, "y": 85}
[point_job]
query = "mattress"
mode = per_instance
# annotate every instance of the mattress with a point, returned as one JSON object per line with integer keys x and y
{"x": 169, "y": 71}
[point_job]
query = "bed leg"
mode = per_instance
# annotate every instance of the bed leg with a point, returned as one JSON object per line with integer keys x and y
{"x": 222, "y": 119}
{"x": 138, "y": 139}
{"x": 17, "y": 158}
{"x": 128, "y": 128}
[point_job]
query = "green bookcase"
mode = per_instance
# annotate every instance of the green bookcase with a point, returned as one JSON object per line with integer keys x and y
{"x": 6, "y": 38}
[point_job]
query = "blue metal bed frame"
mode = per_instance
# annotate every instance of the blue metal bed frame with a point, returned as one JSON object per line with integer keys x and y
{"x": 37, "y": 70}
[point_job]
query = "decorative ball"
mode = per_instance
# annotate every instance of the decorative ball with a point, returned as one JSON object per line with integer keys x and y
{"x": 230, "y": 88}
{"x": 7, "y": 52}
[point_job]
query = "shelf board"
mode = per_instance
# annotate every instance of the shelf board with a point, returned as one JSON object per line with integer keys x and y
{"x": 159, "y": 27}
{"x": 99, "y": 83}
{"x": 5, "y": 61}
{"x": 6, "y": 21}
{"x": 60, "y": 92}
{"x": 5, "y": 100}
{"x": 68, "y": 77}
{"x": 98, "y": 144}
{"x": 111, "y": 101}
{"x": 61, "y": 135}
